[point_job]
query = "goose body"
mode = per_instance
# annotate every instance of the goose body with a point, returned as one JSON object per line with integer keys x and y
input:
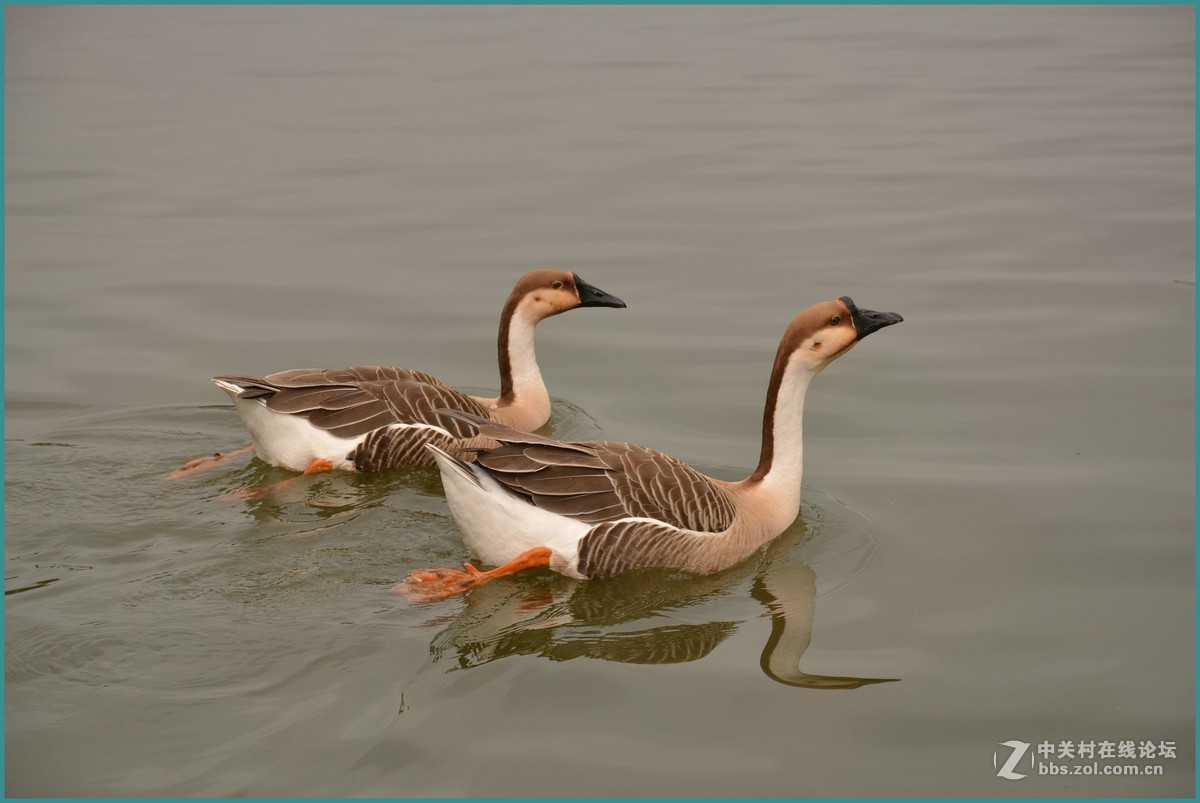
{"x": 373, "y": 418}
{"x": 597, "y": 509}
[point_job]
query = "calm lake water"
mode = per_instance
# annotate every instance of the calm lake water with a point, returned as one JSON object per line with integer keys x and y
{"x": 999, "y": 494}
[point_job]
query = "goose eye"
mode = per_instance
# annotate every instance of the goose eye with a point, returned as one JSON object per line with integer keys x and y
{"x": 835, "y": 320}
{"x": 556, "y": 284}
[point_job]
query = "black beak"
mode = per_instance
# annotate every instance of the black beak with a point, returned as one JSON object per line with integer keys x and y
{"x": 867, "y": 321}
{"x": 595, "y": 297}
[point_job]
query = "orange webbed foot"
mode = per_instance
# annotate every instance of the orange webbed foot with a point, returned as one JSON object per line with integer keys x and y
{"x": 256, "y": 492}
{"x": 319, "y": 465}
{"x": 251, "y": 494}
{"x": 426, "y": 585}
{"x": 205, "y": 463}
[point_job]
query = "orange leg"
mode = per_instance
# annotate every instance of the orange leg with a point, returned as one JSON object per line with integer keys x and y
{"x": 425, "y": 585}
{"x": 205, "y": 463}
{"x": 317, "y": 466}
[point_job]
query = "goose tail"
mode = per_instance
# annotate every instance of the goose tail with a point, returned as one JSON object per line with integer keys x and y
{"x": 245, "y": 387}
{"x": 451, "y": 465}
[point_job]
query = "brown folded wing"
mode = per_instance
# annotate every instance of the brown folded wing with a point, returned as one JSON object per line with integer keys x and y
{"x": 615, "y": 547}
{"x": 604, "y": 481}
{"x": 352, "y": 402}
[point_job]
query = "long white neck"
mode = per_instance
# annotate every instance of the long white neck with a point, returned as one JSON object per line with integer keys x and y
{"x": 775, "y": 484}
{"x": 522, "y": 360}
{"x": 785, "y": 467}
{"x": 522, "y": 390}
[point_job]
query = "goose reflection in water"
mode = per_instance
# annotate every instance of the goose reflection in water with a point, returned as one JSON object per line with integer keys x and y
{"x": 563, "y": 619}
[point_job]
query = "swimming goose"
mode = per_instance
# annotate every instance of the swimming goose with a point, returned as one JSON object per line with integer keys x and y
{"x": 372, "y": 418}
{"x": 596, "y": 509}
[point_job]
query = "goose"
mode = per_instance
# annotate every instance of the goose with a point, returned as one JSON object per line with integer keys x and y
{"x": 374, "y": 418}
{"x": 596, "y": 509}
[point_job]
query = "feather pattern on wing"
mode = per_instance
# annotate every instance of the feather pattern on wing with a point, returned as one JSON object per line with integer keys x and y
{"x": 352, "y": 402}
{"x": 614, "y": 547}
{"x": 601, "y": 481}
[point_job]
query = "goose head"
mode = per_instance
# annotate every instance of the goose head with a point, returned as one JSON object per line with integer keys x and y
{"x": 826, "y": 331}
{"x": 542, "y": 293}
{"x": 814, "y": 338}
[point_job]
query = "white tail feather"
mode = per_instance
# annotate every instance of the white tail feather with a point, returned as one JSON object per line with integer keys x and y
{"x": 448, "y": 462}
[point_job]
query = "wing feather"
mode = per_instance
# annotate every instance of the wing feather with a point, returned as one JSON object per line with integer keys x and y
{"x": 567, "y": 481}
{"x": 602, "y": 481}
{"x": 611, "y": 548}
{"x": 302, "y": 400}
{"x": 309, "y": 377}
{"x": 352, "y": 402}
{"x": 550, "y": 456}
{"x": 516, "y": 463}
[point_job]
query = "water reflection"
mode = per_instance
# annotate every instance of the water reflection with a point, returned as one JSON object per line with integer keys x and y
{"x": 621, "y": 619}
{"x": 789, "y": 592}
{"x": 294, "y": 497}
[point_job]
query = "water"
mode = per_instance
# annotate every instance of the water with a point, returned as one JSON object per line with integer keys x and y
{"x": 998, "y": 512}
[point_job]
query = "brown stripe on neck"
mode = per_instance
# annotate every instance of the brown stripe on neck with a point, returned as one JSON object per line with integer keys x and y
{"x": 507, "y": 394}
{"x": 767, "y": 455}
{"x": 807, "y": 323}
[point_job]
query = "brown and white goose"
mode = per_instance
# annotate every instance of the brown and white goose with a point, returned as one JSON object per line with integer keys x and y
{"x": 372, "y": 418}
{"x": 597, "y": 509}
